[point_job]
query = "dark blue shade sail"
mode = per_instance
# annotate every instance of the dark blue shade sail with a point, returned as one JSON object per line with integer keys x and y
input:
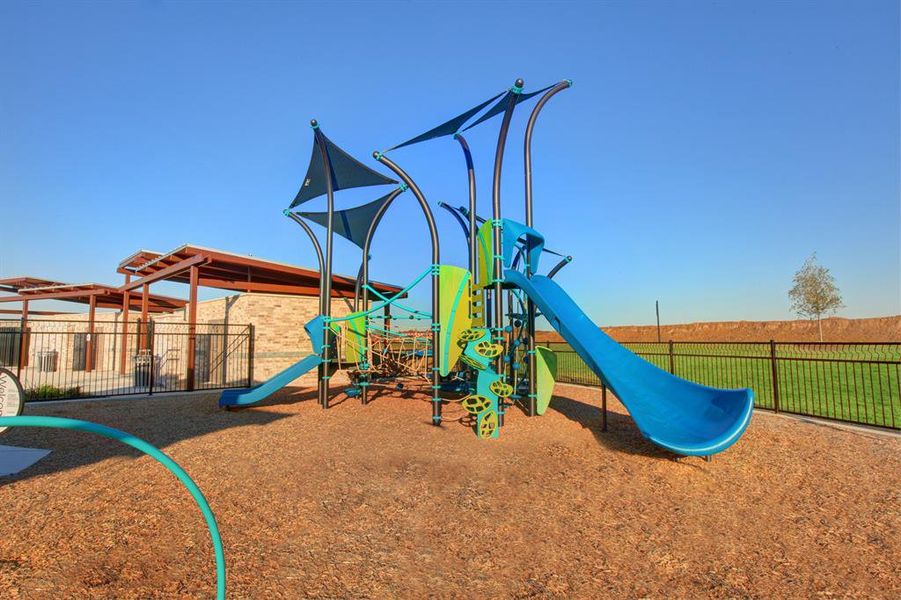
{"x": 501, "y": 105}
{"x": 346, "y": 171}
{"x": 352, "y": 223}
{"x": 449, "y": 127}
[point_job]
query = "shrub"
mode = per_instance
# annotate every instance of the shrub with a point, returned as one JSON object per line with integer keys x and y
{"x": 51, "y": 392}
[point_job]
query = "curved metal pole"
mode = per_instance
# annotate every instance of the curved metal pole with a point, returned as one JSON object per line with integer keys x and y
{"x": 530, "y": 305}
{"x": 498, "y": 299}
{"x": 436, "y": 259}
{"x": 325, "y": 276}
{"x": 364, "y": 271}
{"x": 358, "y": 283}
{"x": 470, "y": 170}
{"x": 299, "y": 220}
{"x": 527, "y": 148}
{"x": 566, "y": 260}
{"x": 457, "y": 216}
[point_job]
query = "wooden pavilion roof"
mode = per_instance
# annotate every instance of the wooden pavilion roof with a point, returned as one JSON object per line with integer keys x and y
{"x": 236, "y": 272}
{"x": 105, "y": 296}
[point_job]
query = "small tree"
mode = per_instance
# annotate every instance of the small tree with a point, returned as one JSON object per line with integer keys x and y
{"x": 814, "y": 293}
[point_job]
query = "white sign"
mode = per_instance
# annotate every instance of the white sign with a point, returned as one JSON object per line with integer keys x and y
{"x": 12, "y": 398}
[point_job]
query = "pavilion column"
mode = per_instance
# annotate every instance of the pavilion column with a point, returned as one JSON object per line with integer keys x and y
{"x": 89, "y": 361}
{"x": 192, "y": 327}
{"x": 23, "y": 338}
{"x": 145, "y": 310}
{"x": 123, "y": 354}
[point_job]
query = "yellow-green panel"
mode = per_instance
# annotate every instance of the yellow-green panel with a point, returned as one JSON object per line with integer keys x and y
{"x": 546, "y": 367}
{"x": 485, "y": 243}
{"x": 455, "y": 312}
{"x": 354, "y": 330}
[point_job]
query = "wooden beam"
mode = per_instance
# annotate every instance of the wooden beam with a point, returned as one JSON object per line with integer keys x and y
{"x": 253, "y": 286}
{"x": 37, "y": 313}
{"x": 53, "y": 295}
{"x": 271, "y": 288}
{"x": 165, "y": 273}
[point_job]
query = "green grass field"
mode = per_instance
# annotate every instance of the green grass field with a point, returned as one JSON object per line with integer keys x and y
{"x": 860, "y": 383}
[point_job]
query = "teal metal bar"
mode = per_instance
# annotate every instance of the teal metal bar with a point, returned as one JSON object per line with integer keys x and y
{"x": 151, "y": 451}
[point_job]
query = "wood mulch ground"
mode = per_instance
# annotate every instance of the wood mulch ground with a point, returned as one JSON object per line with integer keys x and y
{"x": 371, "y": 501}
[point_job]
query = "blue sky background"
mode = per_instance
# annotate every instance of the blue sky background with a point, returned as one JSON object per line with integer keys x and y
{"x": 704, "y": 152}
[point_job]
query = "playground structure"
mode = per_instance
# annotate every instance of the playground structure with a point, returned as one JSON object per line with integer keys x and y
{"x": 479, "y": 348}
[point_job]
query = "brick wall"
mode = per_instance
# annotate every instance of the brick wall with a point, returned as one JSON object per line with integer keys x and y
{"x": 279, "y": 339}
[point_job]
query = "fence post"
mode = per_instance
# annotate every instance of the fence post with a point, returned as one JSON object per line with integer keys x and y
{"x": 151, "y": 342}
{"x": 775, "y": 373}
{"x": 250, "y": 332}
{"x": 20, "y": 351}
{"x": 672, "y": 361}
{"x": 603, "y": 407}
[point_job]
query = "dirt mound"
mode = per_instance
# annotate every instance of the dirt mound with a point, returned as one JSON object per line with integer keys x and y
{"x": 835, "y": 329}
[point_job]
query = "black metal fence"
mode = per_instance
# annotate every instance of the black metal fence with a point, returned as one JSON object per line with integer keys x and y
{"x": 850, "y": 382}
{"x": 64, "y": 359}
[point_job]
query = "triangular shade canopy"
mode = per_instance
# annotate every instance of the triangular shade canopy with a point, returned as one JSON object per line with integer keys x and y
{"x": 501, "y": 105}
{"x": 448, "y": 127}
{"x": 347, "y": 172}
{"x": 352, "y": 223}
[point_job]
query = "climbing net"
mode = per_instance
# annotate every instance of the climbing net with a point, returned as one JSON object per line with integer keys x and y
{"x": 399, "y": 354}
{"x": 373, "y": 350}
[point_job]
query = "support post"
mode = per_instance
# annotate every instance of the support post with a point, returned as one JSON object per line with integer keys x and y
{"x": 145, "y": 310}
{"x": 123, "y": 352}
{"x": 363, "y": 280}
{"x": 92, "y": 308}
{"x": 22, "y": 361}
{"x": 151, "y": 359}
{"x": 775, "y": 374}
{"x": 250, "y": 351}
{"x": 325, "y": 277}
{"x": 657, "y": 310}
{"x": 436, "y": 259}
{"x": 530, "y": 305}
{"x": 603, "y": 407}
{"x": 498, "y": 275}
{"x": 672, "y": 358}
{"x": 192, "y": 327}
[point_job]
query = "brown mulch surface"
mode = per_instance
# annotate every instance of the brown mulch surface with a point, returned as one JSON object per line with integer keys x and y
{"x": 371, "y": 501}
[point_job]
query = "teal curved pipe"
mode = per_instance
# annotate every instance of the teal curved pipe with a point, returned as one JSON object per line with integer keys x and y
{"x": 149, "y": 450}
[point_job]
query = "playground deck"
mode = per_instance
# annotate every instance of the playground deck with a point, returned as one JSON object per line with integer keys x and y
{"x": 373, "y": 502}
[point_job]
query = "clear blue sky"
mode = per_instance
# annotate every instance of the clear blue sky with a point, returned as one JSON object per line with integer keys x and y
{"x": 705, "y": 150}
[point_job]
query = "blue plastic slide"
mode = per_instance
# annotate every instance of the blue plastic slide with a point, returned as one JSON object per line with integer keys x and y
{"x": 258, "y": 393}
{"x": 685, "y": 417}
{"x": 244, "y": 397}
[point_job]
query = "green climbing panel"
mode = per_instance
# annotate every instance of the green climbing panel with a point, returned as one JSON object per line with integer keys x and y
{"x": 354, "y": 338}
{"x": 485, "y": 252}
{"x": 455, "y": 314}
{"x": 546, "y": 367}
